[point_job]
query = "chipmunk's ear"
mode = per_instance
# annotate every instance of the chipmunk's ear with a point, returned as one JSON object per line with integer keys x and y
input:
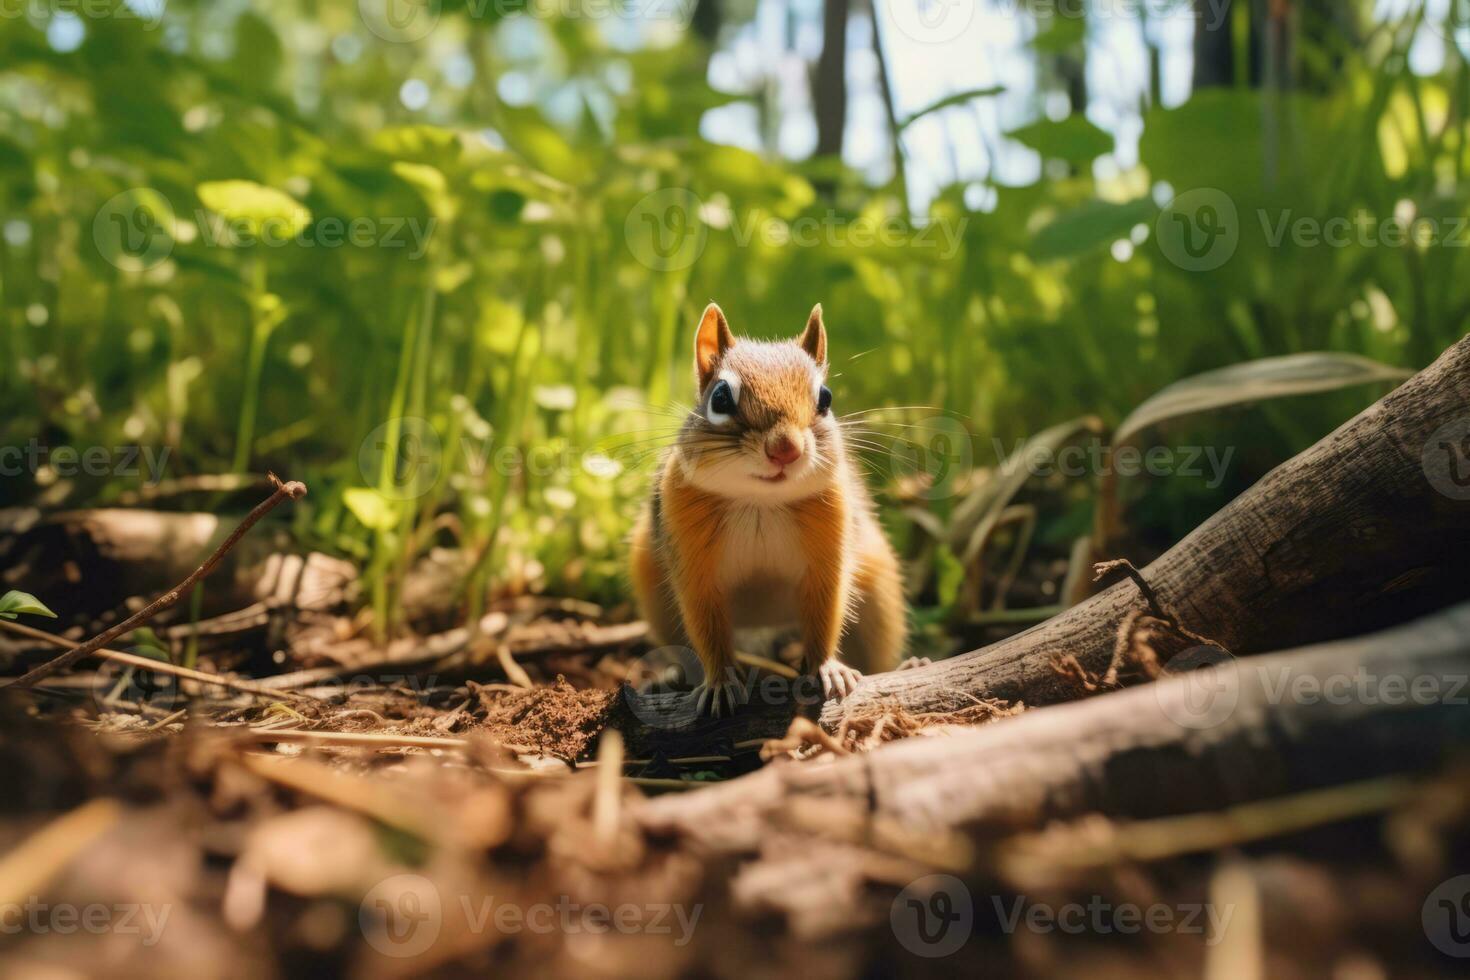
{"x": 814, "y": 338}
{"x": 710, "y": 343}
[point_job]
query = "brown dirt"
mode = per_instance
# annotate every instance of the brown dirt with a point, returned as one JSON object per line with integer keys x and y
{"x": 559, "y": 721}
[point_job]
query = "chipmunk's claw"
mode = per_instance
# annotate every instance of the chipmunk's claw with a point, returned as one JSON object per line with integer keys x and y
{"x": 913, "y": 662}
{"x": 719, "y": 698}
{"x": 838, "y": 679}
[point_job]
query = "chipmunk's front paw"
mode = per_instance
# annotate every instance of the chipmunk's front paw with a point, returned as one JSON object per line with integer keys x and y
{"x": 838, "y": 679}
{"x": 719, "y": 698}
{"x": 913, "y": 662}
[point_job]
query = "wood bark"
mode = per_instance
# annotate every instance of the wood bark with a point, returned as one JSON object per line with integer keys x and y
{"x": 1364, "y": 530}
{"x": 829, "y": 87}
{"x": 120, "y": 553}
{"x": 1394, "y": 702}
{"x": 1214, "y": 44}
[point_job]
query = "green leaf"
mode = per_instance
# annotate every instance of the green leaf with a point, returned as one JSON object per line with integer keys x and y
{"x": 958, "y": 98}
{"x": 1253, "y": 381}
{"x": 146, "y": 643}
{"x": 430, "y": 184}
{"x": 14, "y": 604}
{"x": 371, "y": 508}
{"x": 978, "y": 514}
{"x": 256, "y": 209}
{"x": 951, "y": 575}
{"x": 1073, "y": 139}
{"x": 1093, "y": 225}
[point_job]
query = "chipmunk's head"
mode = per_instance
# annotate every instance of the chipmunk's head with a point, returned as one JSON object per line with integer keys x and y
{"x": 763, "y": 427}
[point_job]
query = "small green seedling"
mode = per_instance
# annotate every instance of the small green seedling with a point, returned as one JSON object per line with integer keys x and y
{"x": 14, "y": 604}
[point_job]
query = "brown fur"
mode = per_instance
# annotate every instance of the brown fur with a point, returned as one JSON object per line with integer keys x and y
{"x": 712, "y": 535}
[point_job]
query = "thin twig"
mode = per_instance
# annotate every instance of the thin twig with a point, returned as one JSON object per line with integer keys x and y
{"x": 513, "y": 670}
{"x": 157, "y": 666}
{"x": 379, "y": 740}
{"x": 293, "y": 489}
{"x": 605, "y": 803}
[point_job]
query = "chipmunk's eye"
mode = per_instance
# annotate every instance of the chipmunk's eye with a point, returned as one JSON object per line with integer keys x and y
{"x": 824, "y": 400}
{"x": 721, "y": 402}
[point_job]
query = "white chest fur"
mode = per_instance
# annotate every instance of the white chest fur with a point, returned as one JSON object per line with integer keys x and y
{"x": 761, "y": 565}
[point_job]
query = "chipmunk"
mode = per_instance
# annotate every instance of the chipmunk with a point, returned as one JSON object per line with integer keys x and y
{"x": 758, "y": 519}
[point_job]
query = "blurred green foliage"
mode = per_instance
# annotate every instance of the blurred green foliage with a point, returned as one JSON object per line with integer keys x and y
{"x": 226, "y": 234}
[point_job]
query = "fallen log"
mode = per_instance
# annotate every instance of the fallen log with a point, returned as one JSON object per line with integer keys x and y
{"x": 1390, "y": 703}
{"x": 118, "y": 554}
{"x": 1366, "y": 529}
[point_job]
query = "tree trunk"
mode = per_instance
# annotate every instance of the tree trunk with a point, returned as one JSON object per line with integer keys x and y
{"x": 1214, "y": 44}
{"x": 1242, "y": 731}
{"x": 829, "y": 89}
{"x": 1364, "y": 530}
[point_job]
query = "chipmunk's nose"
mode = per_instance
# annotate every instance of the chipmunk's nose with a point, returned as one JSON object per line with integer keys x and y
{"x": 782, "y": 451}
